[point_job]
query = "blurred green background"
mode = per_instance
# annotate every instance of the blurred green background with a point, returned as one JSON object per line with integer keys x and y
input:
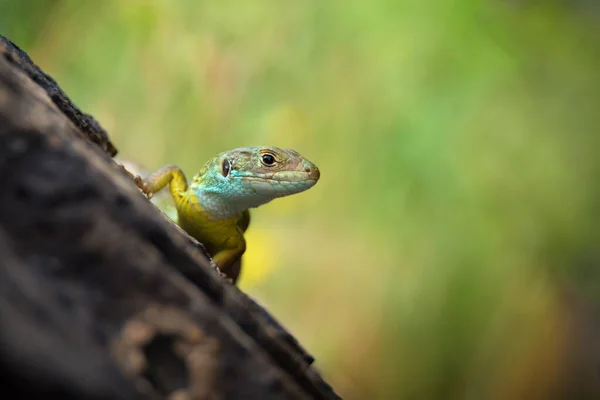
{"x": 453, "y": 236}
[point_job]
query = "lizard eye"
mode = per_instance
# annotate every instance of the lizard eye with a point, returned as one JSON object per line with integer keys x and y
{"x": 268, "y": 159}
{"x": 225, "y": 167}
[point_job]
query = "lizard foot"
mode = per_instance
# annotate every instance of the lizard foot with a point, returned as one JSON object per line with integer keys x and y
{"x": 126, "y": 170}
{"x": 144, "y": 186}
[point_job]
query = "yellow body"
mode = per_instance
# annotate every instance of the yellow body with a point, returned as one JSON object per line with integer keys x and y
{"x": 223, "y": 238}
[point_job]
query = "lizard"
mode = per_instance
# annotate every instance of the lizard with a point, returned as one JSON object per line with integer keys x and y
{"x": 214, "y": 206}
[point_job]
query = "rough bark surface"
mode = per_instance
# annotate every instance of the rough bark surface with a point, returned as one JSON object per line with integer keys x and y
{"x": 85, "y": 123}
{"x": 100, "y": 296}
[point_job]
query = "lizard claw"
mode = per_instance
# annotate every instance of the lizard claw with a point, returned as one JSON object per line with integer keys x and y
{"x": 143, "y": 186}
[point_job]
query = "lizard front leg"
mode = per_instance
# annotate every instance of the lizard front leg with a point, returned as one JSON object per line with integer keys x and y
{"x": 169, "y": 174}
{"x": 244, "y": 221}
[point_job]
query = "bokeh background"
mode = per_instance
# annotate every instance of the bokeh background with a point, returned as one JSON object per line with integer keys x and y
{"x": 451, "y": 248}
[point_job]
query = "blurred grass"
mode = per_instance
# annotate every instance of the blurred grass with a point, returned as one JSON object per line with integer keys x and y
{"x": 457, "y": 143}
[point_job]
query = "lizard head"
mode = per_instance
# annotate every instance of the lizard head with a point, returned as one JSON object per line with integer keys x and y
{"x": 251, "y": 176}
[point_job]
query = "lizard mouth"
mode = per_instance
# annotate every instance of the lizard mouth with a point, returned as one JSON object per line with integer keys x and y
{"x": 306, "y": 180}
{"x": 287, "y": 177}
{"x": 282, "y": 182}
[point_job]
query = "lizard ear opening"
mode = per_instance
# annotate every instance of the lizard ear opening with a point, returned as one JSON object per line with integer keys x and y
{"x": 225, "y": 167}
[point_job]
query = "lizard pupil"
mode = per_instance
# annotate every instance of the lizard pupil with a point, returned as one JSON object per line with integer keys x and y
{"x": 225, "y": 168}
{"x": 268, "y": 159}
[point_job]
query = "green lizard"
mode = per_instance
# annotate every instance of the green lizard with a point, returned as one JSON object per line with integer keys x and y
{"x": 213, "y": 207}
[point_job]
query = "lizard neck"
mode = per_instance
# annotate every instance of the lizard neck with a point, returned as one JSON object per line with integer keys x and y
{"x": 216, "y": 206}
{"x": 226, "y": 198}
{"x": 219, "y": 206}
{"x": 220, "y": 201}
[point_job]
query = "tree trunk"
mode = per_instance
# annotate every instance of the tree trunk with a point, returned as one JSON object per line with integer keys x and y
{"x": 102, "y": 297}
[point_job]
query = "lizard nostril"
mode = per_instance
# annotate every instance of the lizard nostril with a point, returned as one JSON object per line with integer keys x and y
{"x": 307, "y": 170}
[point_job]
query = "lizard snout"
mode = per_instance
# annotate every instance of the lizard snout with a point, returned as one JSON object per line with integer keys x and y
{"x": 312, "y": 170}
{"x": 314, "y": 173}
